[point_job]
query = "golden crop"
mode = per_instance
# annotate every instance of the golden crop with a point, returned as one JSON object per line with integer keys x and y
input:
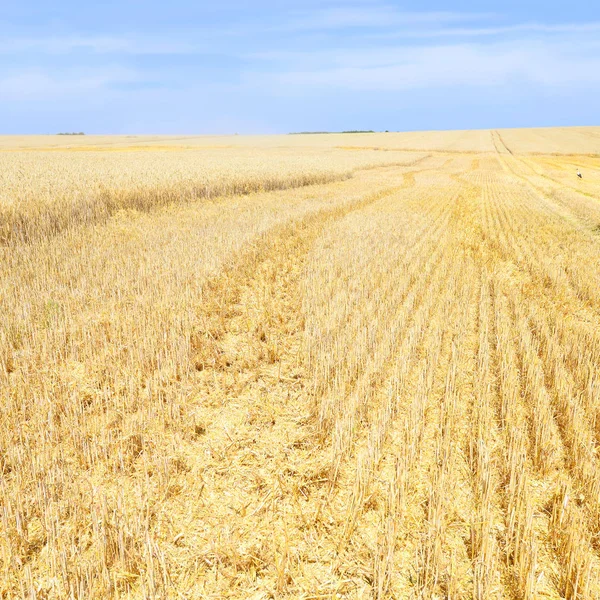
{"x": 345, "y": 366}
{"x": 46, "y": 191}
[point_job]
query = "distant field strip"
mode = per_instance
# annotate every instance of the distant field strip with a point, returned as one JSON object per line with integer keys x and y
{"x": 383, "y": 386}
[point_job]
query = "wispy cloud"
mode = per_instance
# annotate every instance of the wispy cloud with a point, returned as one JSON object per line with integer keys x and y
{"x": 508, "y": 30}
{"x": 333, "y": 17}
{"x": 403, "y": 68}
{"x": 123, "y": 45}
{"x": 32, "y": 84}
{"x": 372, "y": 16}
{"x": 389, "y": 25}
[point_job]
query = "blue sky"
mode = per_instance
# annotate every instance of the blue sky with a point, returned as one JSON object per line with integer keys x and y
{"x": 183, "y": 66}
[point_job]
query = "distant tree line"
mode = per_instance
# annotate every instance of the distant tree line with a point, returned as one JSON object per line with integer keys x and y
{"x": 72, "y": 133}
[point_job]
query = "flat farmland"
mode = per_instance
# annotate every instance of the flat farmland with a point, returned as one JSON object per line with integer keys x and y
{"x": 305, "y": 366}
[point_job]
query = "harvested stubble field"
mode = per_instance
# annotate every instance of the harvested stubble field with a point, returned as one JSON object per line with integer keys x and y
{"x": 333, "y": 366}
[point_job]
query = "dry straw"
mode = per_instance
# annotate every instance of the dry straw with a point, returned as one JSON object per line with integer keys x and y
{"x": 302, "y": 367}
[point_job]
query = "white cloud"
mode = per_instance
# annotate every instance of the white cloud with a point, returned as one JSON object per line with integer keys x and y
{"x": 371, "y": 16}
{"x": 402, "y": 68}
{"x": 42, "y": 85}
{"x": 466, "y": 32}
{"x": 124, "y": 45}
{"x": 369, "y": 24}
{"x": 205, "y": 38}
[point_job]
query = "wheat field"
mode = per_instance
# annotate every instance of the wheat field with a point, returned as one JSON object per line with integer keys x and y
{"x": 311, "y": 366}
